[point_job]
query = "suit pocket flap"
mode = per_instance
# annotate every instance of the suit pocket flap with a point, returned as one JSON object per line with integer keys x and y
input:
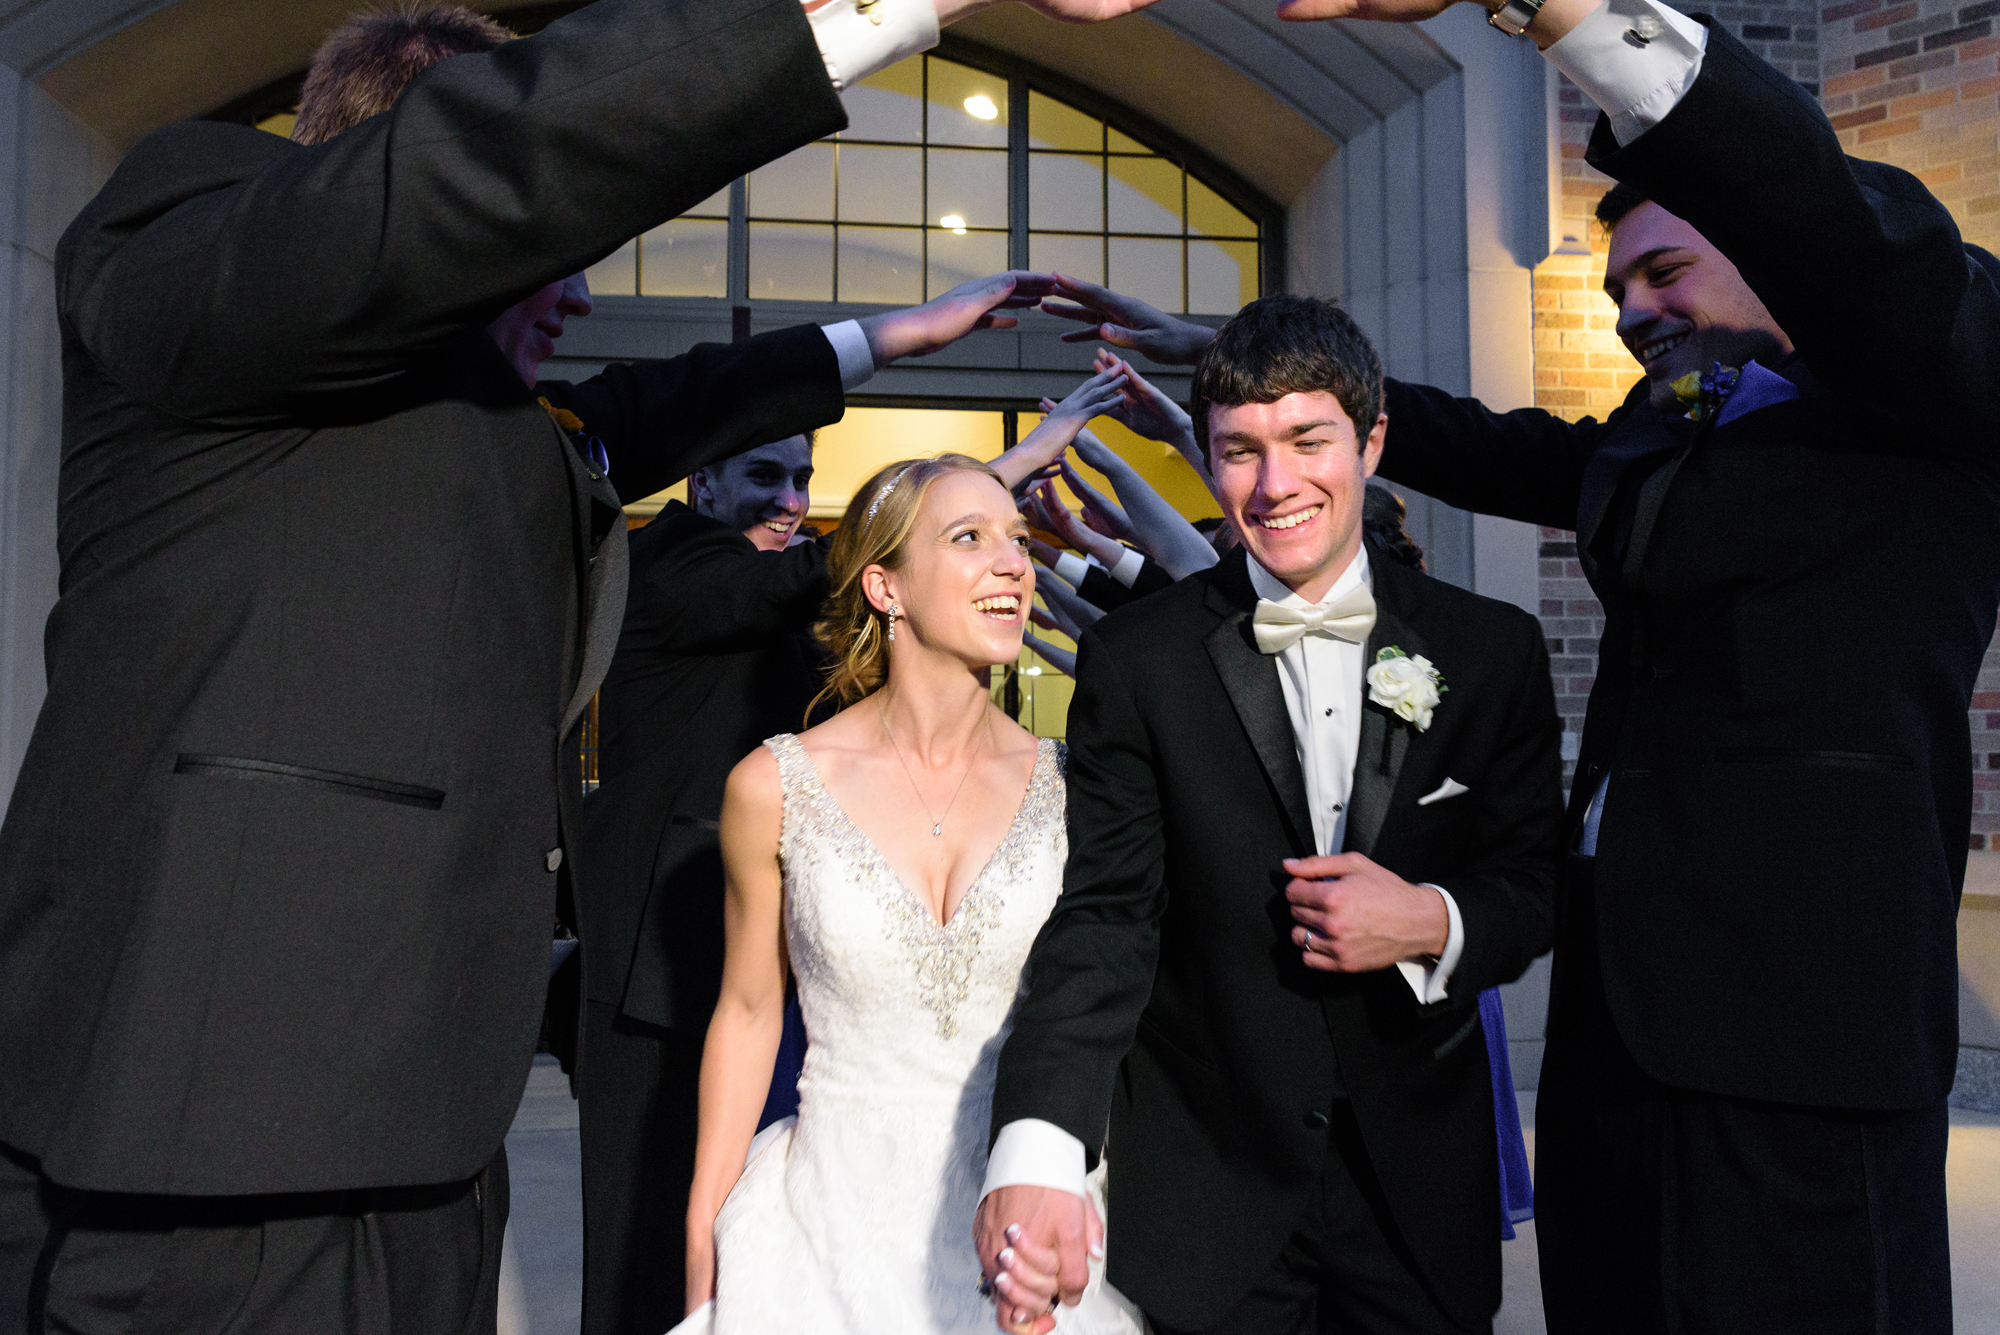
{"x": 354, "y": 785}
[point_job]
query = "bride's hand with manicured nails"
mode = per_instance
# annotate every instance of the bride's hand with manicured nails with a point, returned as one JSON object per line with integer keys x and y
{"x": 1035, "y": 1246}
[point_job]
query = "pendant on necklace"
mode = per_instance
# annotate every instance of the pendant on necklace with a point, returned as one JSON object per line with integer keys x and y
{"x": 938, "y": 829}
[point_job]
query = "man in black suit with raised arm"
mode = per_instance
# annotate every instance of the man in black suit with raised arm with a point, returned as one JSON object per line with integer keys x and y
{"x": 1794, "y": 526}
{"x": 1314, "y": 800}
{"x": 277, "y": 879}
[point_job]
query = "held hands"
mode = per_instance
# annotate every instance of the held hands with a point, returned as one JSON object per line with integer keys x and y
{"x": 1355, "y": 916}
{"x": 918, "y": 331}
{"x": 1035, "y": 1245}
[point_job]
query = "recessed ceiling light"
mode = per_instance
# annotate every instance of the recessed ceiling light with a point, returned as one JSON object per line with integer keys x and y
{"x": 954, "y": 222}
{"x": 981, "y": 106}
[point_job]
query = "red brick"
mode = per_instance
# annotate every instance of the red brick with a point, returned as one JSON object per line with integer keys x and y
{"x": 1914, "y": 106}
{"x": 1890, "y": 129}
{"x": 1883, "y": 18}
{"x": 1862, "y": 78}
{"x": 1865, "y": 116}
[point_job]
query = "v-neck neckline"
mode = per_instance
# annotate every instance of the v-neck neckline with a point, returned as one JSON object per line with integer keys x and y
{"x": 1043, "y": 748}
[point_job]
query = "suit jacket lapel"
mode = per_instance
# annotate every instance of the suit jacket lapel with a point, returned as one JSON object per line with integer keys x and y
{"x": 1645, "y": 434}
{"x": 1385, "y": 739}
{"x": 603, "y": 569}
{"x": 1250, "y": 679}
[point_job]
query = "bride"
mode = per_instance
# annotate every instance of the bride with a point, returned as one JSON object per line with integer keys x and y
{"x": 900, "y": 859}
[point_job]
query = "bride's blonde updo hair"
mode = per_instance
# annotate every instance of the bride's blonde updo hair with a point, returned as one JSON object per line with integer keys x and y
{"x": 873, "y": 533}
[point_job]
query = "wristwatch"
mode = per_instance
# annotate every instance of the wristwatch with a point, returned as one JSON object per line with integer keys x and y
{"x": 1513, "y": 16}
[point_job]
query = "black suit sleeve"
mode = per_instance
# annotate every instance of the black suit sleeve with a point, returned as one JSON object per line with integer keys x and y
{"x": 1527, "y": 464}
{"x": 1090, "y": 973}
{"x": 716, "y": 594}
{"x": 1858, "y": 262}
{"x": 1506, "y": 896}
{"x": 212, "y": 294}
{"x": 661, "y": 420}
{"x": 1101, "y": 589}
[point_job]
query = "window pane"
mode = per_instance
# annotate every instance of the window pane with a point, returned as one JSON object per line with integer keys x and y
{"x": 1066, "y": 192}
{"x": 685, "y": 258}
{"x": 798, "y": 185}
{"x": 882, "y": 264}
{"x": 1222, "y": 276}
{"x": 968, "y": 184}
{"x": 1123, "y": 143}
{"x": 715, "y": 206}
{"x": 1209, "y": 214}
{"x": 960, "y": 259}
{"x": 1148, "y": 270}
{"x": 968, "y": 106}
{"x": 790, "y": 262}
{"x": 617, "y": 274}
{"x": 1051, "y": 124}
{"x": 1145, "y": 195}
{"x": 888, "y": 104}
{"x": 1077, "y": 256}
{"x": 881, "y": 184}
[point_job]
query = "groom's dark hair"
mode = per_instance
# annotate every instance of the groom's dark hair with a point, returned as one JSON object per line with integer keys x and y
{"x": 1288, "y": 345}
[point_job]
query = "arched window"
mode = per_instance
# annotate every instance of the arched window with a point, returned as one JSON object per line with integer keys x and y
{"x": 952, "y": 167}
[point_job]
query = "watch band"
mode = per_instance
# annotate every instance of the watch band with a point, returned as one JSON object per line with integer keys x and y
{"x": 1514, "y": 16}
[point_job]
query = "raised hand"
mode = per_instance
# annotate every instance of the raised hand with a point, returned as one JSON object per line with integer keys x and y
{"x": 917, "y": 331}
{"x": 1062, "y": 660}
{"x": 1049, "y": 514}
{"x": 1065, "y": 609}
{"x": 1023, "y": 465}
{"x": 1126, "y": 322}
{"x": 1146, "y": 410}
{"x": 1085, "y": 11}
{"x": 1388, "y": 11}
{"x": 1100, "y": 511}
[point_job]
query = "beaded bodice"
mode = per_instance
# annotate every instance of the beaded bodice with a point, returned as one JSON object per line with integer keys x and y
{"x": 891, "y": 998}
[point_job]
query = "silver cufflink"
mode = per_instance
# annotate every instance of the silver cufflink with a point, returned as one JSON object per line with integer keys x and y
{"x": 1644, "y": 29}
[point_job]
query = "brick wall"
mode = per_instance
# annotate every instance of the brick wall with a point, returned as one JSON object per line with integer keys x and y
{"x": 1911, "y": 82}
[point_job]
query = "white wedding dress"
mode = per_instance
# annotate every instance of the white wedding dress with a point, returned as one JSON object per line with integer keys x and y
{"x": 856, "y": 1216}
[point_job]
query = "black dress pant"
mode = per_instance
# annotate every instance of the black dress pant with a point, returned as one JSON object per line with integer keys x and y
{"x": 1665, "y": 1211}
{"x": 636, "y": 1103}
{"x": 383, "y": 1261}
{"x": 1345, "y": 1270}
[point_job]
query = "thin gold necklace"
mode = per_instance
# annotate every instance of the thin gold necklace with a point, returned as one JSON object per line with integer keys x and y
{"x": 937, "y": 826}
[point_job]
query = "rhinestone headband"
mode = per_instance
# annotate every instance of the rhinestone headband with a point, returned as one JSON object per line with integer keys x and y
{"x": 883, "y": 495}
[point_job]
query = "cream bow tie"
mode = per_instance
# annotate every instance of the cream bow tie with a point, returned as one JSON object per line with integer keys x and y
{"x": 1349, "y": 618}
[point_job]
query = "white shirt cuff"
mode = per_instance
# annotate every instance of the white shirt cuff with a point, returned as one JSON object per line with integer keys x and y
{"x": 1072, "y": 568}
{"x": 1636, "y": 82}
{"x": 1429, "y": 981}
{"x": 850, "y": 346}
{"x": 855, "y": 45}
{"x": 1034, "y": 1153}
{"x": 1127, "y": 570}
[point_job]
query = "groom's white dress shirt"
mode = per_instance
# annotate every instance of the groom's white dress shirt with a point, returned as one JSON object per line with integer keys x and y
{"x": 1635, "y": 59}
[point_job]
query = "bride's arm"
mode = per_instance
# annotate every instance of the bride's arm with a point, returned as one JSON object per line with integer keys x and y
{"x": 749, "y": 1018}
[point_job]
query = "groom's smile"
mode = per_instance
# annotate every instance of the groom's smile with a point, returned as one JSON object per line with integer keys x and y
{"x": 1291, "y": 475}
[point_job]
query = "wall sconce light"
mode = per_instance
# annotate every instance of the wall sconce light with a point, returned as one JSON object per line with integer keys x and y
{"x": 981, "y": 107}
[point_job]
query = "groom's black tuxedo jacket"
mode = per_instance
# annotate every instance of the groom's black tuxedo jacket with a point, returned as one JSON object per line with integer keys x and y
{"x": 1797, "y": 604}
{"x": 276, "y": 883}
{"x": 1165, "y": 998}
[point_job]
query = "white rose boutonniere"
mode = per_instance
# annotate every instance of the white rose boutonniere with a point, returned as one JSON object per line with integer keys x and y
{"x": 1410, "y": 688}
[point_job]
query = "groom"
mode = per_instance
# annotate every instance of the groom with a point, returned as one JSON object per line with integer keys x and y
{"x": 1284, "y": 895}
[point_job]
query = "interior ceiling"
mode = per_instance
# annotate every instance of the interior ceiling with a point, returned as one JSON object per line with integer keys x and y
{"x": 1272, "y": 100}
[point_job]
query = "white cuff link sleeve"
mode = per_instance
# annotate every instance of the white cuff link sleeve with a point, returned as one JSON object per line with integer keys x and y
{"x": 1429, "y": 981}
{"x": 858, "y": 37}
{"x": 850, "y": 346}
{"x": 1634, "y": 59}
{"x": 1034, "y": 1153}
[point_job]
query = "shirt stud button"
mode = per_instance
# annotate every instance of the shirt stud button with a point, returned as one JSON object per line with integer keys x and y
{"x": 553, "y": 860}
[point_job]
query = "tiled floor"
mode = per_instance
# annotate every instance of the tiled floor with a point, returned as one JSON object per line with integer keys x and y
{"x": 542, "y": 1287}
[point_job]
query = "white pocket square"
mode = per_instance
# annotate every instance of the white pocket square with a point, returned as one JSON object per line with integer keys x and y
{"x": 1449, "y": 788}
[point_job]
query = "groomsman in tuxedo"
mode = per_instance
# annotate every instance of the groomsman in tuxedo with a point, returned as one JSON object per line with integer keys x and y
{"x": 1314, "y": 801}
{"x": 1794, "y": 526}
{"x": 277, "y": 879}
